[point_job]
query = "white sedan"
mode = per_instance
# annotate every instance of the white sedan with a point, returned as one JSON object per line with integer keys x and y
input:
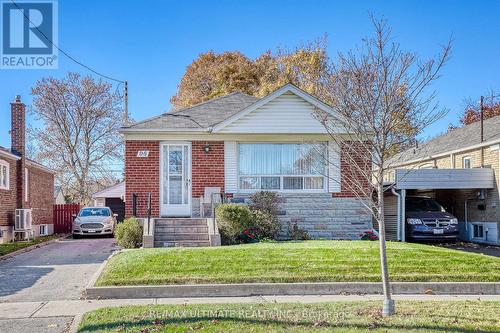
{"x": 94, "y": 221}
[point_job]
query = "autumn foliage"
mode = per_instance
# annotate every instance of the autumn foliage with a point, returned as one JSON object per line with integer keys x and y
{"x": 212, "y": 75}
{"x": 491, "y": 108}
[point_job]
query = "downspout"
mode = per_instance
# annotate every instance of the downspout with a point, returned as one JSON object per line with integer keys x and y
{"x": 399, "y": 213}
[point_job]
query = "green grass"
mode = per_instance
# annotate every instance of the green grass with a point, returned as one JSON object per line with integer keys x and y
{"x": 460, "y": 317}
{"x": 296, "y": 262}
{"x": 14, "y": 246}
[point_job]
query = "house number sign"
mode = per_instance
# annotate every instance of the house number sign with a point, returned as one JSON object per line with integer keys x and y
{"x": 143, "y": 153}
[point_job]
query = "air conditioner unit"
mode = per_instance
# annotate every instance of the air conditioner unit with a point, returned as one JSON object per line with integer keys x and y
{"x": 23, "y": 220}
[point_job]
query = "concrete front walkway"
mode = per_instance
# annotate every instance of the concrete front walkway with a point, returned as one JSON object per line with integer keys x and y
{"x": 65, "y": 315}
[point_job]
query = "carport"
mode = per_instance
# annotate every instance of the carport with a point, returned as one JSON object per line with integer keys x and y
{"x": 454, "y": 188}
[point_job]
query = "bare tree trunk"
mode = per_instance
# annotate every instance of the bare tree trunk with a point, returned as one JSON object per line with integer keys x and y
{"x": 389, "y": 307}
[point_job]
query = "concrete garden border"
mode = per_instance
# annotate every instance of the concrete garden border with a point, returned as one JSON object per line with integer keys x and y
{"x": 289, "y": 289}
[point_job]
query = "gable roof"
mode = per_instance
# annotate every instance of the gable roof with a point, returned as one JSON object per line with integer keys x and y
{"x": 287, "y": 88}
{"x": 217, "y": 113}
{"x": 114, "y": 191}
{"x": 459, "y": 139}
{"x": 199, "y": 117}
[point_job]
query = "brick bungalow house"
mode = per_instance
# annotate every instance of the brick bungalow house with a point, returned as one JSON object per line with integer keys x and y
{"x": 24, "y": 183}
{"x": 239, "y": 144}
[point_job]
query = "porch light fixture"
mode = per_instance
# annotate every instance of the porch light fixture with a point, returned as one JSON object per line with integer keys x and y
{"x": 206, "y": 148}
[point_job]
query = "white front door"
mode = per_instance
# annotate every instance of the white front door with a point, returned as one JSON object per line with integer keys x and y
{"x": 175, "y": 179}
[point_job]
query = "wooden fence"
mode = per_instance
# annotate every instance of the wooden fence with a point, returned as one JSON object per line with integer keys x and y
{"x": 63, "y": 218}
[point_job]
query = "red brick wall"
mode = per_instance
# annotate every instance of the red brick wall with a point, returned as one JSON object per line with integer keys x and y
{"x": 8, "y": 198}
{"x": 350, "y": 170}
{"x": 142, "y": 176}
{"x": 207, "y": 168}
{"x": 40, "y": 195}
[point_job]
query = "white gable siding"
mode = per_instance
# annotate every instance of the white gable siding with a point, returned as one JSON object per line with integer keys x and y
{"x": 334, "y": 176}
{"x": 115, "y": 191}
{"x": 230, "y": 166}
{"x": 287, "y": 113}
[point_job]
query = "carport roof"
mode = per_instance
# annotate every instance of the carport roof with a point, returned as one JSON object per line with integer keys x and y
{"x": 422, "y": 179}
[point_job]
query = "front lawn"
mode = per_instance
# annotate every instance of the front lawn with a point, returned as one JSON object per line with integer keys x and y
{"x": 14, "y": 246}
{"x": 471, "y": 316}
{"x": 309, "y": 261}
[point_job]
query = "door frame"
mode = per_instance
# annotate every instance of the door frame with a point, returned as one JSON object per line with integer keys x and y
{"x": 189, "y": 173}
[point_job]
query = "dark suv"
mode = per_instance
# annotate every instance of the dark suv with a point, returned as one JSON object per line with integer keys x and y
{"x": 428, "y": 220}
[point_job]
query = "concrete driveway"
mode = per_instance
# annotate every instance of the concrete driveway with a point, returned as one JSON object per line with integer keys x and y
{"x": 58, "y": 271}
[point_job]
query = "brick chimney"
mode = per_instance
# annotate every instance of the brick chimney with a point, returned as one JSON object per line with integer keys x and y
{"x": 18, "y": 126}
{"x": 18, "y": 145}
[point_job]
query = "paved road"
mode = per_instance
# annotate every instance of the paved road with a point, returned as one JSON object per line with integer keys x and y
{"x": 58, "y": 271}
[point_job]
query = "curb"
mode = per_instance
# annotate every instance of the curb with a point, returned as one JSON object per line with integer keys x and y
{"x": 291, "y": 289}
{"x": 98, "y": 273}
{"x": 30, "y": 248}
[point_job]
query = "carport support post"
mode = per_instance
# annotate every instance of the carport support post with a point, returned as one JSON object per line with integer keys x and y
{"x": 403, "y": 215}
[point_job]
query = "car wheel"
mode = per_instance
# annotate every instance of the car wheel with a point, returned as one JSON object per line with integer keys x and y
{"x": 76, "y": 236}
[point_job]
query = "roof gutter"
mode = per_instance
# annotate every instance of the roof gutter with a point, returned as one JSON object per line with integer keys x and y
{"x": 9, "y": 155}
{"x": 163, "y": 130}
{"x": 41, "y": 167}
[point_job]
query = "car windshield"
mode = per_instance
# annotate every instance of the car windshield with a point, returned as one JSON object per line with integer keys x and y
{"x": 94, "y": 212}
{"x": 423, "y": 205}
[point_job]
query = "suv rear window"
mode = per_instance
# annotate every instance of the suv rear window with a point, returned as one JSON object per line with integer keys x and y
{"x": 423, "y": 205}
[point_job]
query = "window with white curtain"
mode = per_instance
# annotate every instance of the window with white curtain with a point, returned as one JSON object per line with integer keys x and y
{"x": 282, "y": 167}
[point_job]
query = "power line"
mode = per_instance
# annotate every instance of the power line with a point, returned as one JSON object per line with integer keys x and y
{"x": 62, "y": 51}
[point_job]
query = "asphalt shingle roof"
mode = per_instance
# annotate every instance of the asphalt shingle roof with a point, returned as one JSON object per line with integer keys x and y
{"x": 459, "y": 138}
{"x": 202, "y": 115}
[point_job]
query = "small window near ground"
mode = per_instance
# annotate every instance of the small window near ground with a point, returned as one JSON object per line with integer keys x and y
{"x": 4, "y": 175}
{"x": 478, "y": 231}
{"x": 44, "y": 231}
{"x": 467, "y": 162}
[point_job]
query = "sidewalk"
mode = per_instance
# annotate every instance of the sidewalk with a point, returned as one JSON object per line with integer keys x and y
{"x": 76, "y": 308}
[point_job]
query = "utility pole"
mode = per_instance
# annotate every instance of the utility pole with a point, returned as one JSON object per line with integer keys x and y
{"x": 125, "y": 116}
{"x": 482, "y": 129}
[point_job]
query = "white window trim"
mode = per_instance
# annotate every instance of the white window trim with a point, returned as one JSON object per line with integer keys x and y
{"x": 465, "y": 158}
{"x": 26, "y": 185}
{"x": 281, "y": 190}
{"x": 46, "y": 231}
{"x": 7, "y": 182}
{"x": 472, "y": 231}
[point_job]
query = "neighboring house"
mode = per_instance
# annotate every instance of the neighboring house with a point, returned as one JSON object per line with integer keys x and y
{"x": 112, "y": 197}
{"x": 58, "y": 195}
{"x": 23, "y": 183}
{"x": 462, "y": 172}
{"x": 239, "y": 144}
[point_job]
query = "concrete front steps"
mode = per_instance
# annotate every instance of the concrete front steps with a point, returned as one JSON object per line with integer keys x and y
{"x": 181, "y": 232}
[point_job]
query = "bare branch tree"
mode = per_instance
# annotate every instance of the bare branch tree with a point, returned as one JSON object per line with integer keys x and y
{"x": 380, "y": 94}
{"x": 79, "y": 137}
